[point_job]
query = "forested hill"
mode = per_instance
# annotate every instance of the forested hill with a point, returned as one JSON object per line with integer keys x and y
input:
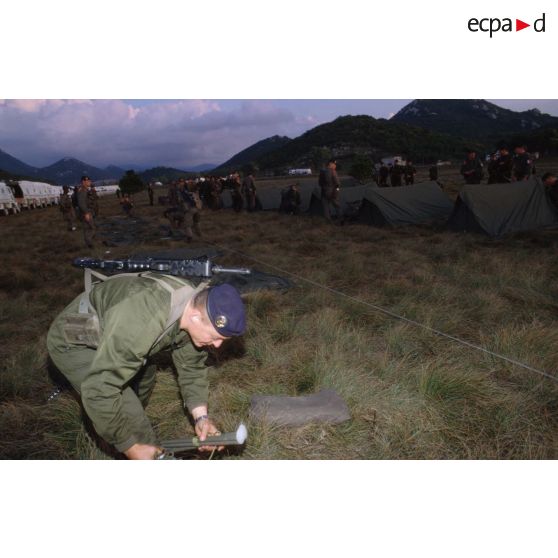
{"x": 253, "y": 153}
{"x": 348, "y": 136}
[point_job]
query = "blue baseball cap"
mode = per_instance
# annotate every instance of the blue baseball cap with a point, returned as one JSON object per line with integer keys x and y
{"x": 226, "y": 310}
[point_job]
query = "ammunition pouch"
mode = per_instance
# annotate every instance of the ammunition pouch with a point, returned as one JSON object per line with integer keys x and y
{"x": 81, "y": 329}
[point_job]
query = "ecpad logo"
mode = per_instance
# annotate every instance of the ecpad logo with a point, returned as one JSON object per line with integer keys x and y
{"x": 494, "y": 24}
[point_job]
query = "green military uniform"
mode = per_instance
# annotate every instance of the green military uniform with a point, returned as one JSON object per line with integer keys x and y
{"x": 384, "y": 175}
{"x": 215, "y": 201}
{"x": 330, "y": 185}
{"x": 396, "y": 174}
{"x": 236, "y": 194}
{"x": 522, "y": 166}
{"x": 138, "y": 317}
{"x": 492, "y": 169}
{"x": 504, "y": 166}
{"x": 290, "y": 200}
{"x": 67, "y": 210}
{"x": 190, "y": 205}
{"x": 433, "y": 172}
{"x": 249, "y": 191}
{"x": 93, "y": 201}
{"x": 472, "y": 170}
{"x": 88, "y": 227}
{"x": 409, "y": 172}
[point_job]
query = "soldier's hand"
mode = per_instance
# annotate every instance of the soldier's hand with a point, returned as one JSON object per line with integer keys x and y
{"x": 205, "y": 428}
{"x": 143, "y": 451}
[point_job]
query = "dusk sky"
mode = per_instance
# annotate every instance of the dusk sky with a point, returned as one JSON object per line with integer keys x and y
{"x": 175, "y": 133}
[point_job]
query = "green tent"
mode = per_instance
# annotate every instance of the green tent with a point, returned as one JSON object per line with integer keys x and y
{"x": 306, "y": 191}
{"x": 226, "y": 198}
{"x": 268, "y": 198}
{"x": 497, "y": 209}
{"x": 405, "y": 205}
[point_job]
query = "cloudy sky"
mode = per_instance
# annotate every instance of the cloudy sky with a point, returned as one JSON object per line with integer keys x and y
{"x": 176, "y": 133}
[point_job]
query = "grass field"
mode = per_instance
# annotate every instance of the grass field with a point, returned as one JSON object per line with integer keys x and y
{"x": 411, "y": 394}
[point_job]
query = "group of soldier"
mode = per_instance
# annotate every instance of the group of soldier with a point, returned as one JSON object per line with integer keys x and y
{"x": 186, "y": 197}
{"x": 502, "y": 166}
{"x": 395, "y": 173}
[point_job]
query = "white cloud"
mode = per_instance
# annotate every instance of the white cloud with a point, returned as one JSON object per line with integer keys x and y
{"x": 102, "y": 132}
{"x": 27, "y": 105}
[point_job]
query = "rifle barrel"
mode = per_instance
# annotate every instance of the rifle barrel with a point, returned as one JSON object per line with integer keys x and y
{"x": 239, "y": 270}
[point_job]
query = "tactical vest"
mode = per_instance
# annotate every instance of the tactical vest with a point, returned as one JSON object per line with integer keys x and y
{"x": 84, "y": 328}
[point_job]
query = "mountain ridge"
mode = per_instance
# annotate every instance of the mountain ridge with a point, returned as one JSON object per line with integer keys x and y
{"x": 472, "y": 118}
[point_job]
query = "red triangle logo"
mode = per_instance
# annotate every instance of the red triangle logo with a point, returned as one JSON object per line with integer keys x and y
{"x": 519, "y": 25}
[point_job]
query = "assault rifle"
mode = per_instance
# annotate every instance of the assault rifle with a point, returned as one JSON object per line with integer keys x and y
{"x": 195, "y": 267}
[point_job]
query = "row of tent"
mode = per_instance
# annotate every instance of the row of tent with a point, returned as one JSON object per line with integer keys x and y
{"x": 26, "y": 194}
{"x": 492, "y": 209}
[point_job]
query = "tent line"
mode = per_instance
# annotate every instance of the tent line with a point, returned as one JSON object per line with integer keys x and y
{"x": 394, "y": 315}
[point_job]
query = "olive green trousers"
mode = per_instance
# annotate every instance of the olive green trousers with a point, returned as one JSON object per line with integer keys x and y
{"x": 74, "y": 364}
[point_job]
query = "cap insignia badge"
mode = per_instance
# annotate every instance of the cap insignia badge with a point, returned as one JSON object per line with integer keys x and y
{"x": 220, "y": 321}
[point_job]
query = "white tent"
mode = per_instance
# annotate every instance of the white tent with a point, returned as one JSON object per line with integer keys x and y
{"x": 106, "y": 189}
{"x": 7, "y": 200}
{"x": 37, "y": 194}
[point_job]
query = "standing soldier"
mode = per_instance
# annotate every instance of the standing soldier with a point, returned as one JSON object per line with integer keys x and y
{"x": 181, "y": 188}
{"x": 236, "y": 193}
{"x": 396, "y": 173}
{"x": 127, "y": 204}
{"x": 433, "y": 172}
{"x": 214, "y": 200}
{"x": 472, "y": 168}
{"x": 504, "y": 165}
{"x": 249, "y": 191}
{"x": 93, "y": 200}
{"x": 205, "y": 191}
{"x": 191, "y": 205}
{"x": 384, "y": 174}
{"x": 86, "y": 215}
{"x": 522, "y": 163}
{"x": 67, "y": 209}
{"x": 329, "y": 185}
{"x": 173, "y": 194}
{"x": 492, "y": 168}
{"x": 150, "y": 193}
{"x": 409, "y": 173}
